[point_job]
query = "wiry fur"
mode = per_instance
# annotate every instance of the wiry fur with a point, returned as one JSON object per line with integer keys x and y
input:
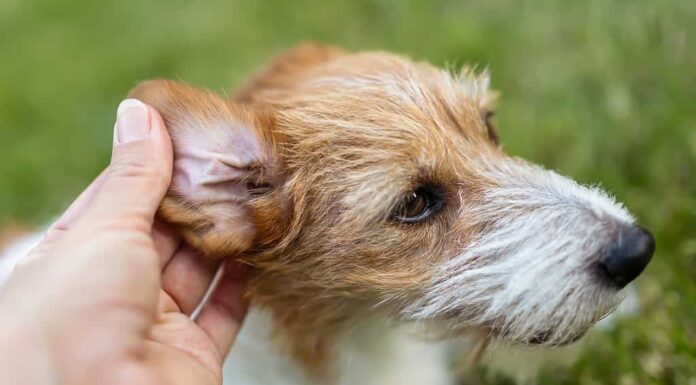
{"x": 521, "y": 278}
{"x": 342, "y": 140}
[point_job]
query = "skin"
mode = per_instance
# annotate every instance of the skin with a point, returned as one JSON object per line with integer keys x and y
{"x": 106, "y": 296}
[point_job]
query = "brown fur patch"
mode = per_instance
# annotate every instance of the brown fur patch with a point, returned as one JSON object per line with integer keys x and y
{"x": 350, "y": 135}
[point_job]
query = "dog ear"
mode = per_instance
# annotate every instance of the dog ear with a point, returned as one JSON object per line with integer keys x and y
{"x": 223, "y": 188}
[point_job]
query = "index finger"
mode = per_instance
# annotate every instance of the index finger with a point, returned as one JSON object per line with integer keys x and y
{"x": 222, "y": 314}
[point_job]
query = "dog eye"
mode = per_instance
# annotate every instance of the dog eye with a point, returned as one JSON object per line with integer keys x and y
{"x": 490, "y": 127}
{"x": 417, "y": 206}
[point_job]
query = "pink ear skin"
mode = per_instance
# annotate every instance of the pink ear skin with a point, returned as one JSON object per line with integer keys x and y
{"x": 215, "y": 169}
{"x": 222, "y": 161}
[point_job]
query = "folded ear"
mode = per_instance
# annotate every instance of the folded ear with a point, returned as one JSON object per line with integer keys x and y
{"x": 223, "y": 191}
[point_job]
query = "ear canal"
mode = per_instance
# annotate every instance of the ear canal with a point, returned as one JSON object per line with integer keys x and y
{"x": 223, "y": 166}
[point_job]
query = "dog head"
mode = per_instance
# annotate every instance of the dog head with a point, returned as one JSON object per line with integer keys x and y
{"x": 368, "y": 182}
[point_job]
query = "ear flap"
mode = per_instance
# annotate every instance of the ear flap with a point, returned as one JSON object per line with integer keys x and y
{"x": 224, "y": 167}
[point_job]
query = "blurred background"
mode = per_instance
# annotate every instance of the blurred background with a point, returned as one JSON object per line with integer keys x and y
{"x": 603, "y": 91}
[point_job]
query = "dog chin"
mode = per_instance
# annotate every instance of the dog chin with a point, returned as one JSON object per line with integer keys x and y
{"x": 543, "y": 338}
{"x": 557, "y": 336}
{"x": 550, "y": 335}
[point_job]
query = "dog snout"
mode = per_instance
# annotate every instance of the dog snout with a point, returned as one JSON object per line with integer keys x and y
{"x": 628, "y": 256}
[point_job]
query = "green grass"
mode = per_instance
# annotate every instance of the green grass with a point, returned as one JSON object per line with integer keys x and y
{"x": 604, "y": 91}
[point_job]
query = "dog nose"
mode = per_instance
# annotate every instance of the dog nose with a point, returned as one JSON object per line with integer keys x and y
{"x": 629, "y": 255}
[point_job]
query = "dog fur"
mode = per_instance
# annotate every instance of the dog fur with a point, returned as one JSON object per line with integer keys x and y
{"x": 299, "y": 174}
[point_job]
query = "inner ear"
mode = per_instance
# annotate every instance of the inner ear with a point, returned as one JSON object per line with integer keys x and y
{"x": 225, "y": 166}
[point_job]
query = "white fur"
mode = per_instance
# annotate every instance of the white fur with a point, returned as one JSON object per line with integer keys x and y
{"x": 376, "y": 352}
{"x": 531, "y": 273}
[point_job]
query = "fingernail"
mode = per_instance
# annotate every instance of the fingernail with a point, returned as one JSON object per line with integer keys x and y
{"x": 132, "y": 121}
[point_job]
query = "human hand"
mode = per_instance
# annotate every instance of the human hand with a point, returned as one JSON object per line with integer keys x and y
{"x": 106, "y": 296}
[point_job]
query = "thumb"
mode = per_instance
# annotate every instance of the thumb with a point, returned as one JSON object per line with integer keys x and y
{"x": 140, "y": 169}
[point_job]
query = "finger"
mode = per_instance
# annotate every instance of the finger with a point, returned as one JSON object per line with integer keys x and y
{"x": 186, "y": 278}
{"x": 140, "y": 169}
{"x": 222, "y": 315}
{"x": 166, "y": 241}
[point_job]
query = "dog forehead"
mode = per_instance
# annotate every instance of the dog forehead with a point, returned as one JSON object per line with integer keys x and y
{"x": 382, "y": 106}
{"x": 368, "y": 128}
{"x": 399, "y": 93}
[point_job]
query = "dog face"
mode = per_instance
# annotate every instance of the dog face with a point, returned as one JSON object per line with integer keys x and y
{"x": 367, "y": 182}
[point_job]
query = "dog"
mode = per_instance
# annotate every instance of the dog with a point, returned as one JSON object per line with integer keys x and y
{"x": 372, "y": 197}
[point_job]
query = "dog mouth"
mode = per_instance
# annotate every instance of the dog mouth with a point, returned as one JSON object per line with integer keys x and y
{"x": 545, "y": 336}
{"x": 544, "y": 339}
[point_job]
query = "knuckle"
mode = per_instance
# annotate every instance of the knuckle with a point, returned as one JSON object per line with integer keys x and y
{"x": 109, "y": 236}
{"x": 140, "y": 169}
{"x": 121, "y": 226}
